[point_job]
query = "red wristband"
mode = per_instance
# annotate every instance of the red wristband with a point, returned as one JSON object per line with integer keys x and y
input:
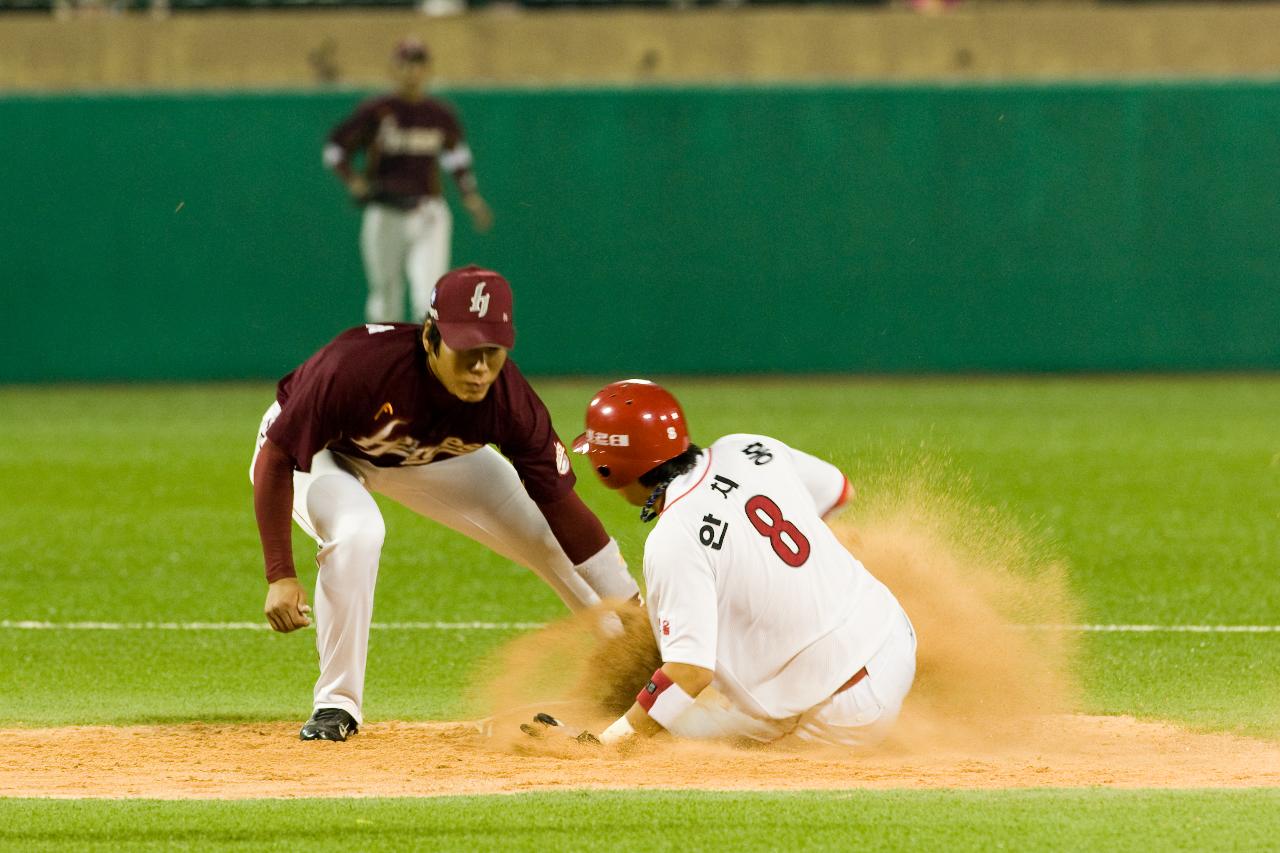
{"x": 651, "y": 691}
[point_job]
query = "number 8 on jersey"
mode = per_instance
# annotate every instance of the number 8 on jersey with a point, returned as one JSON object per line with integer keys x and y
{"x": 788, "y": 542}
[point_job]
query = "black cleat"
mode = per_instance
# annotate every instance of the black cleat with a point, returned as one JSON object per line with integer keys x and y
{"x": 328, "y": 724}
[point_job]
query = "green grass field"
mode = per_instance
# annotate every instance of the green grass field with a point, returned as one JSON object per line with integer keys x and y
{"x": 888, "y": 820}
{"x": 131, "y": 504}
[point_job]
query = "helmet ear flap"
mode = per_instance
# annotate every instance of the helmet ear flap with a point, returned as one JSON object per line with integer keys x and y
{"x": 603, "y": 471}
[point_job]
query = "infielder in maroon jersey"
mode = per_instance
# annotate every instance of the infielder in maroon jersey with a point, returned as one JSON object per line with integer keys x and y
{"x": 406, "y": 137}
{"x": 410, "y": 412}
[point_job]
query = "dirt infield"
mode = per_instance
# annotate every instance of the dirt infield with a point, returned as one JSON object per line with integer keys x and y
{"x": 430, "y": 759}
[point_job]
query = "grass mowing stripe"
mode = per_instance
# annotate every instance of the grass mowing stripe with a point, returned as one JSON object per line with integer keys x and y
{"x": 1048, "y": 820}
{"x": 1158, "y": 629}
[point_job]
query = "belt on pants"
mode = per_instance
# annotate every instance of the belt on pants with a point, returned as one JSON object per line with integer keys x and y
{"x": 857, "y": 676}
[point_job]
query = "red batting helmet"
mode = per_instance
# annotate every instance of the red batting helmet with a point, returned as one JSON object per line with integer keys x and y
{"x": 633, "y": 426}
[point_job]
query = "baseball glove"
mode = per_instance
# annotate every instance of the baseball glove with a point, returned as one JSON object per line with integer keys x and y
{"x": 545, "y": 725}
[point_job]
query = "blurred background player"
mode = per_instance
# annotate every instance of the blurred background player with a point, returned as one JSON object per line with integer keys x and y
{"x": 748, "y": 590}
{"x": 407, "y": 137}
{"x": 409, "y": 411}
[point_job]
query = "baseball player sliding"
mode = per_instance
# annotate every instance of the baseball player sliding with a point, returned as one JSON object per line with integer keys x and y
{"x": 409, "y": 411}
{"x": 749, "y": 591}
{"x": 406, "y": 138}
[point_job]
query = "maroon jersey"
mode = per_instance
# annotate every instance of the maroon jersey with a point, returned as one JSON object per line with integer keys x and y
{"x": 403, "y": 143}
{"x": 370, "y": 394}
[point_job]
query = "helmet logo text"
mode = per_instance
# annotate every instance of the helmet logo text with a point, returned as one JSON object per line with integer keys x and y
{"x": 605, "y": 439}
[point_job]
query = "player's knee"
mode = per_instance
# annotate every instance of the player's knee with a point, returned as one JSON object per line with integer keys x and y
{"x": 369, "y": 536}
{"x": 361, "y": 534}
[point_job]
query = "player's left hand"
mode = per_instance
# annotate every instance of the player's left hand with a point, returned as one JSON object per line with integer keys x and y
{"x": 481, "y": 215}
{"x": 545, "y": 725}
{"x": 360, "y": 188}
{"x": 286, "y": 608}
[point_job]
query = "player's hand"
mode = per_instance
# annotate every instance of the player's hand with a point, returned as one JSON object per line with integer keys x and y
{"x": 286, "y": 608}
{"x": 358, "y": 186}
{"x": 481, "y": 215}
{"x": 545, "y": 725}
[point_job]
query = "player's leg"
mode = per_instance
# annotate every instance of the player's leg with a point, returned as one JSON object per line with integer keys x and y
{"x": 864, "y": 714}
{"x": 384, "y": 243}
{"x": 341, "y": 515}
{"x": 480, "y": 496}
{"x": 430, "y": 234}
{"x": 333, "y": 507}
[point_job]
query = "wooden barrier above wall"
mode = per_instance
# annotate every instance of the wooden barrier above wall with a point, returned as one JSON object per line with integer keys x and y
{"x": 229, "y": 50}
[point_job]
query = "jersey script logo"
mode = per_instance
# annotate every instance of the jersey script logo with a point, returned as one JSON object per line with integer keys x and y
{"x": 479, "y": 301}
{"x": 562, "y": 460}
{"x": 383, "y": 443}
{"x": 420, "y": 141}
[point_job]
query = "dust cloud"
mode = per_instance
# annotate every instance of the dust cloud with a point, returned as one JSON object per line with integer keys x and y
{"x": 982, "y": 594}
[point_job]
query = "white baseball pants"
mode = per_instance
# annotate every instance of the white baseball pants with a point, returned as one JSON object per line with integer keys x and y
{"x": 479, "y": 495}
{"x": 858, "y": 717}
{"x": 863, "y": 714}
{"x": 395, "y": 241}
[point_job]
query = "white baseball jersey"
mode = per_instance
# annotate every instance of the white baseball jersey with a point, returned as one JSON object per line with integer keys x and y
{"x": 746, "y": 579}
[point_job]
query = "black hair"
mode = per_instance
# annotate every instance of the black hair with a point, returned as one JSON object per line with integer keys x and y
{"x": 660, "y": 477}
{"x": 433, "y": 336}
{"x": 672, "y": 468}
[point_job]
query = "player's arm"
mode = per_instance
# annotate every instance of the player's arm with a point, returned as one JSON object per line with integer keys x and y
{"x": 594, "y": 554}
{"x": 528, "y": 439}
{"x": 286, "y": 607}
{"x": 826, "y": 484}
{"x": 457, "y": 160}
{"x": 671, "y": 691}
{"x": 303, "y": 427}
{"x": 352, "y": 135}
{"x": 682, "y": 592}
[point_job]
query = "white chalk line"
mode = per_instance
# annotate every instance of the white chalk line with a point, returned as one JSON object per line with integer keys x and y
{"x": 37, "y": 625}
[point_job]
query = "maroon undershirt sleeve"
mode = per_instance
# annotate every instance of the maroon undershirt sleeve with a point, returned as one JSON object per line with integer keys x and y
{"x": 465, "y": 178}
{"x": 273, "y": 506}
{"x": 352, "y": 135}
{"x": 575, "y": 527}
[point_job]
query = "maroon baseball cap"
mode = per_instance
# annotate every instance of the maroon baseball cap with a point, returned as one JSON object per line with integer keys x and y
{"x": 472, "y": 308}
{"x": 411, "y": 50}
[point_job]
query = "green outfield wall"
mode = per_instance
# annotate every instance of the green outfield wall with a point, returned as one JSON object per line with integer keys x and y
{"x": 868, "y": 228}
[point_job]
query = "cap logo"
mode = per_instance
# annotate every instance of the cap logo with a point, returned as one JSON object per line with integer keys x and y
{"x": 479, "y": 301}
